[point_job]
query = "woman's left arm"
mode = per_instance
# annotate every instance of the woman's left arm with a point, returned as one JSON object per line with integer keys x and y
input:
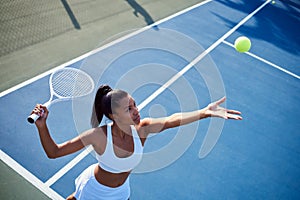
{"x": 156, "y": 125}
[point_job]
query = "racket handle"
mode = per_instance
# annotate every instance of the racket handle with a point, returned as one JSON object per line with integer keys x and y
{"x": 32, "y": 118}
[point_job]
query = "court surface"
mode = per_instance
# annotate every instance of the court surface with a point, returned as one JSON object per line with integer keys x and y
{"x": 179, "y": 64}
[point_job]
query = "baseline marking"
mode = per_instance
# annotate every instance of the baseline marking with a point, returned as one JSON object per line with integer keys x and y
{"x": 29, "y": 177}
{"x": 267, "y": 62}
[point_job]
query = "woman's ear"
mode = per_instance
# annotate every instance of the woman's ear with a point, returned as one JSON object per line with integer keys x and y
{"x": 112, "y": 116}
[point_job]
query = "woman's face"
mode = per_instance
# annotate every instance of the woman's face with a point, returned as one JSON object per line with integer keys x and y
{"x": 127, "y": 112}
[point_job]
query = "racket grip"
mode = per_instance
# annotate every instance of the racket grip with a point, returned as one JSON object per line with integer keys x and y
{"x": 32, "y": 118}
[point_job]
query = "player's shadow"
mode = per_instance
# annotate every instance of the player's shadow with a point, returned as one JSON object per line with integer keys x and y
{"x": 71, "y": 14}
{"x": 138, "y": 9}
{"x": 283, "y": 33}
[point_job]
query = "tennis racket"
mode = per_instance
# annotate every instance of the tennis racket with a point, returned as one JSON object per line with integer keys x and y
{"x": 66, "y": 84}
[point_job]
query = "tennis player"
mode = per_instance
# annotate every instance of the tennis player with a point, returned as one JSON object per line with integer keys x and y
{"x": 119, "y": 145}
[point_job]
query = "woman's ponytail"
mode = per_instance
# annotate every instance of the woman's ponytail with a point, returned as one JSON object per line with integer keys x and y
{"x": 98, "y": 111}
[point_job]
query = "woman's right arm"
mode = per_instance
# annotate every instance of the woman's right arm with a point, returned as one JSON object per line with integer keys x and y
{"x": 52, "y": 149}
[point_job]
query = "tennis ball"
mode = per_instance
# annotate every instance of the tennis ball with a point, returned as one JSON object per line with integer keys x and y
{"x": 242, "y": 44}
{"x": 273, "y": 2}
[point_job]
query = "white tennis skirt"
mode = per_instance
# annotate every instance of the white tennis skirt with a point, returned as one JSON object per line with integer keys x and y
{"x": 88, "y": 188}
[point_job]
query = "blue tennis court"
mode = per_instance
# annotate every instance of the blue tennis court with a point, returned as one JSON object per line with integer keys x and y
{"x": 182, "y": 63}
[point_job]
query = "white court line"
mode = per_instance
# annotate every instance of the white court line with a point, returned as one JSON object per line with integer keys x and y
{"x": 186, "y": 68}
{"x": 68, "y": 166}
{"x": 23, "y": 84}
{"x": 200, "y": 57}
{"x": 29, "y": 177}
{"x": 267, "y": 62}
{"x": 44, "y": 187}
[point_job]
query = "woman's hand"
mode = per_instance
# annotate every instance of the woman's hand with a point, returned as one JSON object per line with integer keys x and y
{"x": 215, "y": 110}
{"x": 41, "y": 111}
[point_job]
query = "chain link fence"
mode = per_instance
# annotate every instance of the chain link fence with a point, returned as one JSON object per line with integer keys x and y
{"x": 27, "y": 22}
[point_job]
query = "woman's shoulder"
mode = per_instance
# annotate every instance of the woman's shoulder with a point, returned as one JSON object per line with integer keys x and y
{"x": 145, "y": 122}
{"x": 101, "y": 130}
{"x": 95, "y": 132}
{"x": 141, "y": 128}
{"x": 96, "y": 137}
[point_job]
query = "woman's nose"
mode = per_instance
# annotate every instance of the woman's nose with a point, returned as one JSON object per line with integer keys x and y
{"x": 136, "y": 111}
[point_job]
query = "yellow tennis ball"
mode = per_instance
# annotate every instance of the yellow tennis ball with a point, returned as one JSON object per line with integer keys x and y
{"x": 242, "y": 44}
{"x": 273, "y": 2}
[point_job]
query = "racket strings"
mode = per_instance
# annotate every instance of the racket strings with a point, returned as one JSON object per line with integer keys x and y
{"x": 71, "y": 83}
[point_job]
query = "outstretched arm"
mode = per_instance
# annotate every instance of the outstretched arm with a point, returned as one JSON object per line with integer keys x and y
{"x": 151, "y": 125}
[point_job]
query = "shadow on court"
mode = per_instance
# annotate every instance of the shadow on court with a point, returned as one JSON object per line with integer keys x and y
{"x": 138, "y": 9}
{"x": 71, "y": 14}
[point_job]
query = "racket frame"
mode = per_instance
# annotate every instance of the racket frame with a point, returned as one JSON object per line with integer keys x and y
{"x": 33, "y": 117}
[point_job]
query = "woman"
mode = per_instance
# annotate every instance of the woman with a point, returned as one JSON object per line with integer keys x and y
{"x": 118, "y": 146}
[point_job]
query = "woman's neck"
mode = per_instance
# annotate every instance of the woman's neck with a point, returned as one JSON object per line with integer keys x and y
{"x": 121, "y": 130}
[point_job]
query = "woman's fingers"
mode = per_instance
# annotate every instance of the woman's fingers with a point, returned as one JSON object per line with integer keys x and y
{"x": 234, "y": 116}
{"x": 234, "y": 112}
{"x": 215, "y": 110}
{"x": 220, "y": 101}
{"x": 39, "y": 110}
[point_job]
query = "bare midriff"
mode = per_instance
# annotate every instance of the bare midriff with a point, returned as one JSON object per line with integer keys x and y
{"x": 109, "y": 179}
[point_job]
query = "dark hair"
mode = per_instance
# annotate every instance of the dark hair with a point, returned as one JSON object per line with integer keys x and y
{"x": 106, "y": 100}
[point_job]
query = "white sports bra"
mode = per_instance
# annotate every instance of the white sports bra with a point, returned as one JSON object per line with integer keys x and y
{"x": 111, "y": 163}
